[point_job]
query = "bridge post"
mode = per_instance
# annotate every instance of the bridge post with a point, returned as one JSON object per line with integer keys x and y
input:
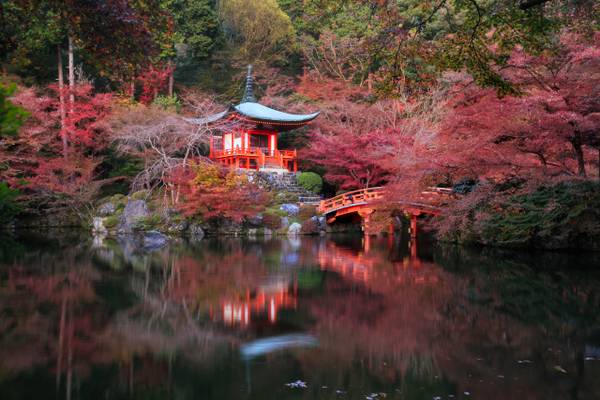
{"x": 413, "y": 226}
{"x": 365, "y": 215}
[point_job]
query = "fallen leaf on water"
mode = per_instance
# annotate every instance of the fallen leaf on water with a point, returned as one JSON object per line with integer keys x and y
{"x": 297, "y": 384}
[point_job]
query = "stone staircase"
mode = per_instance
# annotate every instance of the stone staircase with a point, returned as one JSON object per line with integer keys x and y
{"x": 282, "y": 180}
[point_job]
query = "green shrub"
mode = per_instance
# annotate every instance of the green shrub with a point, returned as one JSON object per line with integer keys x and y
{"x": 169, "y": 103}
{"x": 9, "y": 207}
{"x": 11, "y": 116}
{"x": 310, "y": 181}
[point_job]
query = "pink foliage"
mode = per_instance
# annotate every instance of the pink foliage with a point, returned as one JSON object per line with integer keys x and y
{"x": 351, "y": 158}
{"x": 36, "y": 159}
{"x": 550, "y": 129}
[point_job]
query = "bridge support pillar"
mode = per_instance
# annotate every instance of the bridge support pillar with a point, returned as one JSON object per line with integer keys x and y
{"x": 365, "y": 215}
{"x": 413, "y": 226}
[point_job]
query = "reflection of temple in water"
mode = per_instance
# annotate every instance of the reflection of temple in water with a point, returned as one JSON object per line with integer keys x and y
{"x": 260, "y": 306}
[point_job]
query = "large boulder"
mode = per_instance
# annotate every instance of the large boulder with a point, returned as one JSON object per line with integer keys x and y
{"x": 196, "y": 232}
{"x": 106, "y": 209}
{"x": 322, "y": 223}
{"x": 177, "y": 226}
{"x": 154, "y": 240}
{"x": 311, "y": 226}
{"x": 294, "y": 229}
{"x": 290, "y": 209}
{"x": 134, "y": 212}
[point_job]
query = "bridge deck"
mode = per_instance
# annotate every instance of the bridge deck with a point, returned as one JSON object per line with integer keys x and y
{"x": 364, "y": 197}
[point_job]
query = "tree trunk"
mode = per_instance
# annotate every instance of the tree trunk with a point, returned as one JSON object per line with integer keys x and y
{"x": 132, "y": 89}
{"x": 171, "y": 80}
{"x": 61, "y": 97}
{"x": 598, "y": 163}
{"x": 578, "y": 149}
{"x": 71, "y": 77}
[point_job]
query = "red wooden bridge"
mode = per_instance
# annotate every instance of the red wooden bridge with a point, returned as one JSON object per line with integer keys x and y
{"x": 364, "y": 202}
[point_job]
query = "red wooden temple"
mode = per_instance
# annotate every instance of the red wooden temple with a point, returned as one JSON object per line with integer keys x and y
{"x": 252, "y": 143}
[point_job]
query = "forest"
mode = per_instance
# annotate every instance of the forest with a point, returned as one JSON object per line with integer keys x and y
{"x": 498, "y": 100}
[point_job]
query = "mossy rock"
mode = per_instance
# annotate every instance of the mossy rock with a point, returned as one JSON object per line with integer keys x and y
{"x": 111, "y": 221}
{"x": 149, "y": 223}
{"x": 139, "y": 195}
{"x": 286, "y": 197}
{"x": 274, "y": 210}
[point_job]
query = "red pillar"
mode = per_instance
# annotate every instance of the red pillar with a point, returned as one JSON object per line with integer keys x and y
{"x": 413, "y": 225}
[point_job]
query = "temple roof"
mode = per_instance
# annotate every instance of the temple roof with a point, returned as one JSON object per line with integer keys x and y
{"x": 264, "y": 113}
{"x": 252, "y": 111}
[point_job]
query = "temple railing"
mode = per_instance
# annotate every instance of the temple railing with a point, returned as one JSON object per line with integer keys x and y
{"x": 254, "y": 152}
{"x": 241, "y": 157}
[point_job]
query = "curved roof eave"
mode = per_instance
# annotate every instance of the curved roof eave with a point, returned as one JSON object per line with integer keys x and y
{"x": 264, "y": 113}
{"x": 208, "y": 119}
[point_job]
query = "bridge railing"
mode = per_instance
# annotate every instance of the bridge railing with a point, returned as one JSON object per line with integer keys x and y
{"x": 431, "y": 199}
{"x": 354, "y": 197}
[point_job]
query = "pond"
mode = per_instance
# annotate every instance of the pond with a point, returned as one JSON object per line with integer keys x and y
{"x": 338, "y": 317}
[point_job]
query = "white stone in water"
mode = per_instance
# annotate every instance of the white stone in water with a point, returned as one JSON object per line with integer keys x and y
{"x": 98, "y": 226}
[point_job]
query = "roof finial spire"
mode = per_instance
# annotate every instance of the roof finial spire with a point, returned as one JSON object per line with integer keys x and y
{"x": 249, "y": 91}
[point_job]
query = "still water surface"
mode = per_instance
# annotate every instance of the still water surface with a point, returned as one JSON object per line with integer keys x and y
{"x": 307, "y": 318}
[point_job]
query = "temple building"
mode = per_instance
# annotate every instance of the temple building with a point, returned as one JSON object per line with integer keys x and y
{"x": 252, "y": 141}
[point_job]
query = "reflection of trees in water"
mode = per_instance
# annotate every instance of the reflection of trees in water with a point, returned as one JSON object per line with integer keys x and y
{"x": 546, "y": 312}
{"x": 472, "y": 323}
{"x": 143, "y": 324}
{"x": 47, "y": 320}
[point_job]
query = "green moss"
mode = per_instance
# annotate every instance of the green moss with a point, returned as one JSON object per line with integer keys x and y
{"x": 564, "y": 215}
{"x": 111, "y": 222}
{"x": 274, "y": 210}
{"x": 286, "y": 197}
{"x": 151, "y": 222}
{"x": 139, "y": 195}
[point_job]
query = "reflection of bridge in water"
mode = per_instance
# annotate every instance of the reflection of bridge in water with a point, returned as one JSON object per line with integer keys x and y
{"x": 262, "y": 304}
{"x": 362, "y": 266}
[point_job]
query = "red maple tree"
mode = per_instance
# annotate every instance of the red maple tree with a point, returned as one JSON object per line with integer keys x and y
{"x": 212, "y": 192}
{"x": 549, "y": 130}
